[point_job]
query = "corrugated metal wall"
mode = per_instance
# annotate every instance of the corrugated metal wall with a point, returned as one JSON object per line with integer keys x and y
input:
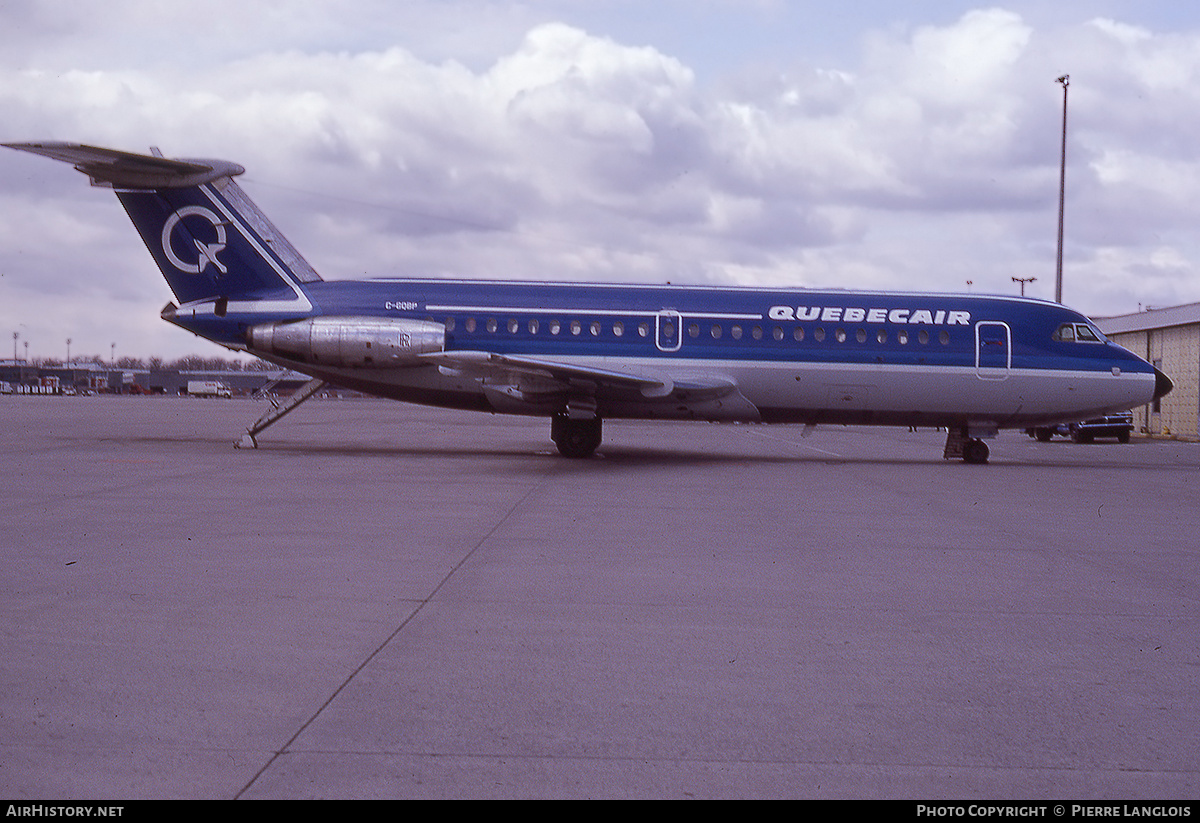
{"x": 1176, "y": 351}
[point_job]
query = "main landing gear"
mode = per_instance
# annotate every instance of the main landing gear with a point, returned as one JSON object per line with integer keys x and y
{"x": 960, "y": 445}
{"x": 575, "y": 437}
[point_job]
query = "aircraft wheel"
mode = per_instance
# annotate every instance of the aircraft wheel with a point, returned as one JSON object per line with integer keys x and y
{"x": 1043, "y": 435}
{"x": 575, "y": 438}
{"x": 975, "y": 451}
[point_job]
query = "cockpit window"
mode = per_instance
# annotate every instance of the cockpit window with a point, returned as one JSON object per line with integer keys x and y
{"x": 1077, "y": 333}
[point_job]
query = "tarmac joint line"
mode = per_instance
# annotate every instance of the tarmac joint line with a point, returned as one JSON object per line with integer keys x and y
{"x": 404, "y": 623}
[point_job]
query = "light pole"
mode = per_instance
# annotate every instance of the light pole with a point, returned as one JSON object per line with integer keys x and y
{"x": 1023, "y": 281}
{"x": 1062, "y": 190}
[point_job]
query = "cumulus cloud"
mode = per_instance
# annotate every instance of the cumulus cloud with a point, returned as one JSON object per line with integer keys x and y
{"x": 551, "y": 152}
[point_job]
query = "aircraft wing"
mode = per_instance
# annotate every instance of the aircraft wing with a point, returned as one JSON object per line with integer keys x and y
{"x": 532, "y": 373}
{"x": 516, "y": 379}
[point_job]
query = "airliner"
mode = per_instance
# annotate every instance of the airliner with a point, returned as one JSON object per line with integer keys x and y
{"x": 578, "y": 354}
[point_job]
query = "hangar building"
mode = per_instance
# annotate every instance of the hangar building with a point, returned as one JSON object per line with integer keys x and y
{"x": 1170, "y": 339}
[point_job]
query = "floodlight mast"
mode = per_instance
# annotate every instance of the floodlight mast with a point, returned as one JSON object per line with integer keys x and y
{"x": 1023, "y": 281}
{"x": 1062, "y": 192}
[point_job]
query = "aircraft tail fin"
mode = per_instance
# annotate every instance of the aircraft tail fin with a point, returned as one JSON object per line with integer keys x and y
{"x": 211, "y": 242}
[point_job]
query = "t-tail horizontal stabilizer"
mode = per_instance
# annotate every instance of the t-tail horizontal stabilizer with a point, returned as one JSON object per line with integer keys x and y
{"x": 124, "y": 170}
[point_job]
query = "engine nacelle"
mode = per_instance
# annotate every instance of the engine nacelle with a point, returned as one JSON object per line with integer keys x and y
{"x": 349, "y": 342}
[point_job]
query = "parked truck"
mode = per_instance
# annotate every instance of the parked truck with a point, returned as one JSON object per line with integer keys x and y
{"x": 208, "y": 388}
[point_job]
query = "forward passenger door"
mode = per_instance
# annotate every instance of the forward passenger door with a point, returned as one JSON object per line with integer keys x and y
{"x": 993, "y": 350}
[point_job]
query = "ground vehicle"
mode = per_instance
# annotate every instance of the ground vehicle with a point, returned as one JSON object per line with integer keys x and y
{"x": 208, "y": 388}
{"x": 1118, "y": 425}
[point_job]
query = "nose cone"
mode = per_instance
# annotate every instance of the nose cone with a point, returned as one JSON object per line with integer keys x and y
{"x": 1162, "y": 384}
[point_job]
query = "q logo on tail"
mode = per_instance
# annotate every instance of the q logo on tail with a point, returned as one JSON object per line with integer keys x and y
{"x": 206, "y": 253}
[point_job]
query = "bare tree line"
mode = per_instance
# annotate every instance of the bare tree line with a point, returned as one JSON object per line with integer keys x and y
{"x": 191, "y": 362}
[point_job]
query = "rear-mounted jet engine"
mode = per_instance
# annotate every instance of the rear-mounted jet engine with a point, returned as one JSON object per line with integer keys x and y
{"x": 349, "y": 342}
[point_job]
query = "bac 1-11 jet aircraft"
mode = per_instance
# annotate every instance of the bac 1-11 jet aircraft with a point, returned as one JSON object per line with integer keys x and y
{"x": 578, "y": 354}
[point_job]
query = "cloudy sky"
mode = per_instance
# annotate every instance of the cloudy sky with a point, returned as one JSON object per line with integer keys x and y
{"x": 863, "y": 144}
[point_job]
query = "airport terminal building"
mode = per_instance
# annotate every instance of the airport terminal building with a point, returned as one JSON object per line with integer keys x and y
{"x": 1170, "y": 339}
